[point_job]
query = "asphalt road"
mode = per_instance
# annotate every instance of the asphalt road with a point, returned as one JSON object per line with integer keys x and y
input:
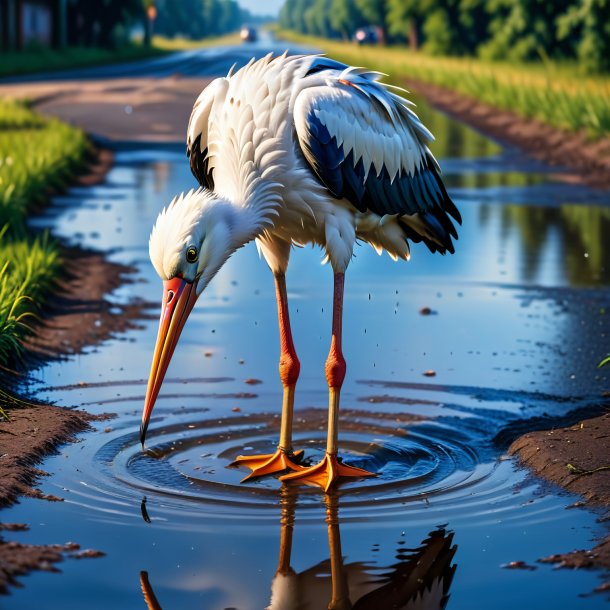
{"x": 144, "y": 101}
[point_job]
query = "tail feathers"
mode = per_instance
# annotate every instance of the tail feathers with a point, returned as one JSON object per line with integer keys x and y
{"x": 434, "y": 228}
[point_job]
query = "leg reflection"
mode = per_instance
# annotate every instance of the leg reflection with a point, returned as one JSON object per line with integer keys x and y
{"x": 419, "y": 579}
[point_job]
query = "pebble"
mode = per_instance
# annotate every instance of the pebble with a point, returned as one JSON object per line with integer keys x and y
{"x": 517, "y": 565}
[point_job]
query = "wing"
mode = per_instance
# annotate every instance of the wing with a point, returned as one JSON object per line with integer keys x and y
{"x": 365, "y": 144}
{"x": 197, "y": 133}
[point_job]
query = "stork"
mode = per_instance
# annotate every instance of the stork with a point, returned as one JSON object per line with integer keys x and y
{"x": 292, "y": 150}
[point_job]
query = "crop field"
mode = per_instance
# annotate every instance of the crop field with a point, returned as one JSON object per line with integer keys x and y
{"x": 552, "y": 92}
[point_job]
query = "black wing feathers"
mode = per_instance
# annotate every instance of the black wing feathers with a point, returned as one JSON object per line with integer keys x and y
{"x": 422, "y": 192}
{"x": 200, "y": 164}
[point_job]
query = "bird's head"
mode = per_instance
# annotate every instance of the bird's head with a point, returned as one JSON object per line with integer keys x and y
{"x": 191, "y": 240}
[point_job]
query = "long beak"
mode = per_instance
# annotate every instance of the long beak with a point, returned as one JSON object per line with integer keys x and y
{"x": 179, "y": 297}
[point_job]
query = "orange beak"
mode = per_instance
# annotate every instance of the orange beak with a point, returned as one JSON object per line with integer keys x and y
{"x": 179, "y": 297}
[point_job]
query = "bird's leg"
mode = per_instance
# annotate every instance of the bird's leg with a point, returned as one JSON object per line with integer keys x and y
{"x": 330, "y": 469}
{"x": 284, "y": 457}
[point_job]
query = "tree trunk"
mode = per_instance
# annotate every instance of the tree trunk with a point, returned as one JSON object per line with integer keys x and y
{"x": 412, "y": 35}
{"x": 147, "y": 31}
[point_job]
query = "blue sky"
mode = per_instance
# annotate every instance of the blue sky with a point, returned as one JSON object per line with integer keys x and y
{"x": 262, "y": 7}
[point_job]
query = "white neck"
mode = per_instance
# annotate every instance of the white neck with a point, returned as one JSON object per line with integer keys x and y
{"x": 226, "y": 226}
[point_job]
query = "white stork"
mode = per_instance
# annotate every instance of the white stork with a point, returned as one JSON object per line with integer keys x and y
{"x": 296, "y": 150}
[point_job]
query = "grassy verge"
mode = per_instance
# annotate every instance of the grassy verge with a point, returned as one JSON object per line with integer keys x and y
{"x": 556, "y": 94}
{"x": 185, "y": 44}
{"x": 37, "y": 156}
{"x": 49, "y": 60}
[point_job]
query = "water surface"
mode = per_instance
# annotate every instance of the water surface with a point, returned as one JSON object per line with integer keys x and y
{"x": 518, "y": 325}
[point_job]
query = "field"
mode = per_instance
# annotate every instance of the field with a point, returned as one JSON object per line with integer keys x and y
{"x": 554, "y": 93}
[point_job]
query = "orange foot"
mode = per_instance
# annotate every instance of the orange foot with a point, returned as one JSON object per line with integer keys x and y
{"x": 262, "y": 465}
{"x": 326, "y": 473}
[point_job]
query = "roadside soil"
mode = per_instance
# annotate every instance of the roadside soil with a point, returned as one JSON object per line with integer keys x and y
{"x": 76, "y": 315}
{"x": 584, "y": 162}
{"x": 576, "y": 458}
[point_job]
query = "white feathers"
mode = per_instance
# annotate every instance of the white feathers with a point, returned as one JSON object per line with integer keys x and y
{"x": 176, "y": 228}
{"x": 340, "y": 234}
{"x": 249, "y": 122}
{"x": 375, "y": 125}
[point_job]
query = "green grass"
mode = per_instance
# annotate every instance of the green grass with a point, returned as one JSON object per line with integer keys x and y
{"x": 554, "y": 93}
{"x": 184, "y": 44}
{"x": 48, "y": 60}
{"x": 37, "y": 156}
{"x": 28, "y": 268}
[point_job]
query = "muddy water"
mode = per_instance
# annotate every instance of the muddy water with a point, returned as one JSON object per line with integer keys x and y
{"x": 517, "y": 326}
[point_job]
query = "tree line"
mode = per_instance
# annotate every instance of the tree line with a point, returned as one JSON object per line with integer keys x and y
{"x": 111, "y": 25}
{"x": 199, "y": 18}
{"x": 514, "y": 30}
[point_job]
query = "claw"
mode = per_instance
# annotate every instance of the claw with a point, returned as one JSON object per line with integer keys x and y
{"x": 270, "y": 463}
{"x": 326, "y": 473}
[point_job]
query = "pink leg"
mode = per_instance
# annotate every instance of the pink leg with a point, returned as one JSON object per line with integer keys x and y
{"x": 329, "y": 470}
{"x": 284, "y": 458}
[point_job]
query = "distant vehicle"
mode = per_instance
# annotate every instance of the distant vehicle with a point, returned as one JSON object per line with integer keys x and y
{"x": 248, "y": 34}
{"x": 368, "y": 35}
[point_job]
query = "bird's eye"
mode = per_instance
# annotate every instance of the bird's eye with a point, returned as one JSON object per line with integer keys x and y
{"x": 191, "y": 255}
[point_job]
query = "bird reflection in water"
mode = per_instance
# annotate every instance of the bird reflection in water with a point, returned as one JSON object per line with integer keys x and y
{"x": 419, "y": 580}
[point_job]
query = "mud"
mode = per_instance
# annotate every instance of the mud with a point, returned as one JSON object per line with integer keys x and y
{"x": 586, "y": 162}
{"x": 576, "y": 458}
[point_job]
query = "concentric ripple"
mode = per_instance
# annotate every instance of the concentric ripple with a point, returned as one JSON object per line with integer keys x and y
{"x": 434, "y": 463}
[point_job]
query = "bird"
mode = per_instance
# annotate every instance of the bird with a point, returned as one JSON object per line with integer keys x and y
{"x": 292, "y": 150}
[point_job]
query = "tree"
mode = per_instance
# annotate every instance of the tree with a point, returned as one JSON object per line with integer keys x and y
{"x": 524, "y": 29}
{"x": 404, "y": 20}
{"x": 439, "y": 34}
{"x": 230, "y": 16}
{"x": 589, "y": 23}
{"x": 96, "y": 23}
{"x": 345, "y": 17}
{"x": 474, "y": 25}
{"x": 292, "y": 15}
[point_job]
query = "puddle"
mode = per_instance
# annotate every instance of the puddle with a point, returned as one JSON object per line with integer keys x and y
{"x": 519, "y": 325}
